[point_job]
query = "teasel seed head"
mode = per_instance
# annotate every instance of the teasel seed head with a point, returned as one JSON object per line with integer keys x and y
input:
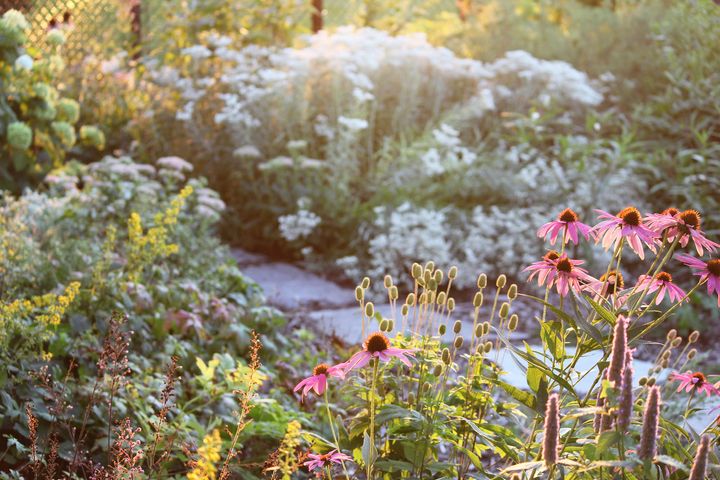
{"x": 676, "y": 342}
{"x": 665, "y": 363}
{"x": 441, "y": 298}
{"x": 437, "y": 371}
{"x": 384, "y": 325}
{"x": 365, "y": 283}
{"x": 478, "y": 330}
{"x": 551, "y": 435}
{"x": 438, "y": 277}
{"x": 486, "y": 328}
{"x": 393, "y": 291}
{"x": 501, "y": 281}
{"x": 359, "y": 294}
{"x": 651, "y": 417}
{"x": 457, "y": 326}
{"x": 442, "y": 329}
{"x": 699, "y": 467}
{"x": 458, "y": 343}
{"x": 694, "y": 336}
{"x": 504, "y": 310}
{"x": 512, "y": 292}
{"x": 410, "y": 299}
{"x": 387, "y": 281}
{"x": 416, "y": 271}
{"x": 446, "y": 356}
{"x": 482, "y": 281}
{"x": 665, "y": 355}
{"x": 432, "y": 285}
{"x": 451, "y": 304}
{"x": 426, "y": 277}
{"x": 391, "y": 325}
{"x": 478, "y": 300}
{"x": 617, "y": 355}
{"x": 671, "y": 335}
{"x": 513, "y": 322}
{"x": 430, "y": 265}
{"x": 626, "y": 395}
{"x": 369, "y": 309}
{"x": 452, "y": 273}
{"x": 404, "y": 310}
{"x": 643, "y": 381}
{"x": 691, "y": 354}
{"x": 488, "y": 346}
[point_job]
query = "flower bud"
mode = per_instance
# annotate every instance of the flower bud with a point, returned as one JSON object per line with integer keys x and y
{"x": 387, "y": 281}
{"x": 478, "y": 300}
{"x": 451, "y": 304}
{"x": 671, "y": 335}
{"x": 423, "y": 298}
{"x": 457, "y": 326}
{"x": 501, "y": 281}
{"x": 417, "y": 271}
{"x": 691, "y": 354}
{"x": 458, "y": 343}
{"x": 482, "y": 281}
{"x": 651, "y": 381}
{"x": 431, "y": 296}
{"x": 384, "y": 325}
{"x": 432, "y": 285}
{"x": 676, "y": 342}
{"x": 478, "y": 330}
{"x": 486, "y": 328}
{"x": 438, "y": 276}
{"x": 694, "y": 336}
{"x": 365, "y": 283}
{"x": 504, "y": 310}
{"x": 393, "y": 292}
{"x": 452, "y": 273}
{"x": 410, "y": 299}
{"x": 665, "y": 355}
{"x": 643, "y": 381}
{"x": 441, "y": 298}
{"x": 437, "y": 371}
{"x": 430, "y": 265}
{"x": 359, "y": 294}
{"x": 512, "y": 292}
{"x": 513, "y": 323}
{"x": 404, "y": 310}
{"x": 427, "y": 275}
{"x": 488, "y": 346}
{"x": 391, "y": 325}
{"x": 665, "y": 364}
{"x": 446, "y": 356}
{"x": 442, "y": 329}
{"x": 369, "y": 309}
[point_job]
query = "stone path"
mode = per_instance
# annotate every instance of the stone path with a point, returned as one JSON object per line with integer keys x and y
{"x": 308, "y": 298}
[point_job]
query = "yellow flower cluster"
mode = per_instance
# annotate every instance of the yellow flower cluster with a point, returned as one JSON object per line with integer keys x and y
{"x": 143, "y": 248}
{"x": 54, "y": 306}
{"x": 287, "y": 459}
{"x": 204, "y": 468}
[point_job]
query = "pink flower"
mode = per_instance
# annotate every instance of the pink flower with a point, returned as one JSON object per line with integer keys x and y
{"x": 563, "y": 272}
{"x": 685, "y": 224}
{"x": 709, "y": 271}
{"x": 378, "y": 346}
{"x": 318, "y": 380}
{"x": 662, "y": 283}
{"x": 627, "y": 224}
{"x": 694, "y": 381}
{"x": 568, "y": 224}
{"x": 610, "y": 283}
{"x": 319, "y": 461}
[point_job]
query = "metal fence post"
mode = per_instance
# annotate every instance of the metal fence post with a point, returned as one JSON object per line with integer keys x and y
{"x": 317, "y": 20}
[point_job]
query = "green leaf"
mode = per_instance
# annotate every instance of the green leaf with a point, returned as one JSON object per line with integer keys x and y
{"x": 534, "y": 378}
{"x": 551, "y": 335}
{"x": 369, "y": 452}
{"x": 606, "y": 441}
{"x": 521, "y": 396}
{"x": 670, "y": 461}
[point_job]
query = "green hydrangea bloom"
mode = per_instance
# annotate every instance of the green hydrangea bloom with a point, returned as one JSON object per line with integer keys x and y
{"x": 19, "y": 135}
{"x": 16, "y": 19}
{"x": 45, "y": 91}
{"x": 65, "y": 133}
{"x": 93, "y": 136}
{"x": 68, "y": 110}
{"x": 55, "y": 37}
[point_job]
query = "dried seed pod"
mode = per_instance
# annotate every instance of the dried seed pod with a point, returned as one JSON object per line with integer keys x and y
{"x": 393, "y": 292}
{"x": 665, "y": 364}
{"x": 432, "y": 285}
{"x": 446, "y": 356}
{"x": 369, "y": 309}
{"x": 441, "y": 298}
{"x": 404, "y": 310}
{"x": 504, "y": 310}
{"x": 410, "y": 299}
{"x": 359, "y": 294}
{"x": 651, "y": 381}
{"x": 513, "y": 322}
{"x": 478, "y": 330}
{"x": 488, "y": 346}
{"x": 457, "y": 326}
{"x": 501, "y": 281}
{"x": 442, "y": 329}
{"x": 512, "y": 292}
{"x": 437, "y": 371}
{"x": 391, "y": 325}
{"x": 430, "y": 265}
{"x": 478, "y": 300}
{"x": 694, "y": 336}
{"x": 365, "y": 283}
{"x": 384, "y": 325}
{"x": 438, "y": 277}
{"x": 691, "y": 354}
{"x": 387, "y": 281}
{"x": 482, "y": 281}
{"x": 416, "y": 271}
{"x": 643, "y": 381}
{"x": 486, "y": 328}
{"x": 458, "y": 343}
{"x": 665, "y": 355}
{"x": 452, "y": 273}
{"x": 671, "y": 335}
{"x": 427, "y": 276}
{"x": 451, "y": 304}
{"x": 676, "y": 342}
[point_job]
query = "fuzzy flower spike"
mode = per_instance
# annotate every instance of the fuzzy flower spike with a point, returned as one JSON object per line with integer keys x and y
{"x": 319, "y": 461}
{"x": 318, "y": 380}
{"x": 686, "y": 225}
{"x": 567, "y": 226}
{"x": 627, "y": 224}
{"x": 663, "y": 284}
{"x": 378, "y": 346}
{"x": 709, "y": 271}
{"x": 695, "y": 382}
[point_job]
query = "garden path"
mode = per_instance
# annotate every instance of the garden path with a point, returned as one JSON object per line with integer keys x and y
{"x": 307, "y": 298}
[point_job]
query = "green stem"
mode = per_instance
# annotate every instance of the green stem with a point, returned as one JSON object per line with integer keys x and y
{"x": 370, "y": 465}
{"x": 332, "y": 429}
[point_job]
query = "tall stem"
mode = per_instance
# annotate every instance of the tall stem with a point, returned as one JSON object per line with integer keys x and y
{"x": 370, "y": 463}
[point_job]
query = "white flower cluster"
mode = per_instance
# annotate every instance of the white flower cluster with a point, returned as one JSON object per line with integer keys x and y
{"x": 448, "y": 153}
{"x": 298, "y": 225}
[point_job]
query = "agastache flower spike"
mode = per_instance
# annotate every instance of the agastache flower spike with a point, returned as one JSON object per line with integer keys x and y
{"x": 626, "y": 395}
{"x": 551, "y": 435}
{"x": 651, "y": 420}
{"x": 701, "y": 458}
{"x": 627, "y": 224}
{"x": 567, "y": 224}
{"x": 619, "y": 350}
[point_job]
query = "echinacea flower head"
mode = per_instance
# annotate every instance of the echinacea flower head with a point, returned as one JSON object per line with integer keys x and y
{"x": 655, "y": 221}
{"x": 685, "y": 226}
{"x": 628, "y": 225}
{"x": 544, "y": 268}
{"x": 662, "y": 283}
{"x": 707, "y": 271}
{"x": 609, "y": 284}
{"x": 567, "y": 226}
{"x": 377, "y": 345}
{"x": 568, "y": 275}
{"x": 318, "y": 380}
{"x": 694, "y": 382}
{"x": 318, "y": 461}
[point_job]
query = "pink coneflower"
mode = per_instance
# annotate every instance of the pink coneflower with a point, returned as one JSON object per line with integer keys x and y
{"x": 567, "y": 275}
{"x": 319, "y": 461}
{"x": 318, "y": 380}
{"x": 626, "y": 224}
{"x": 568, "y": 224}
{"x": 709, "y": 271}
{"x": 694, "y": 382}
{"x": 662, "y": 283}
{"x": 378, "y": 346}
{"x": 654, "y": 221}
{"x": 544, "y": 268}
{"x": 686, "y": 225}
{"x": 608, "y": 285}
